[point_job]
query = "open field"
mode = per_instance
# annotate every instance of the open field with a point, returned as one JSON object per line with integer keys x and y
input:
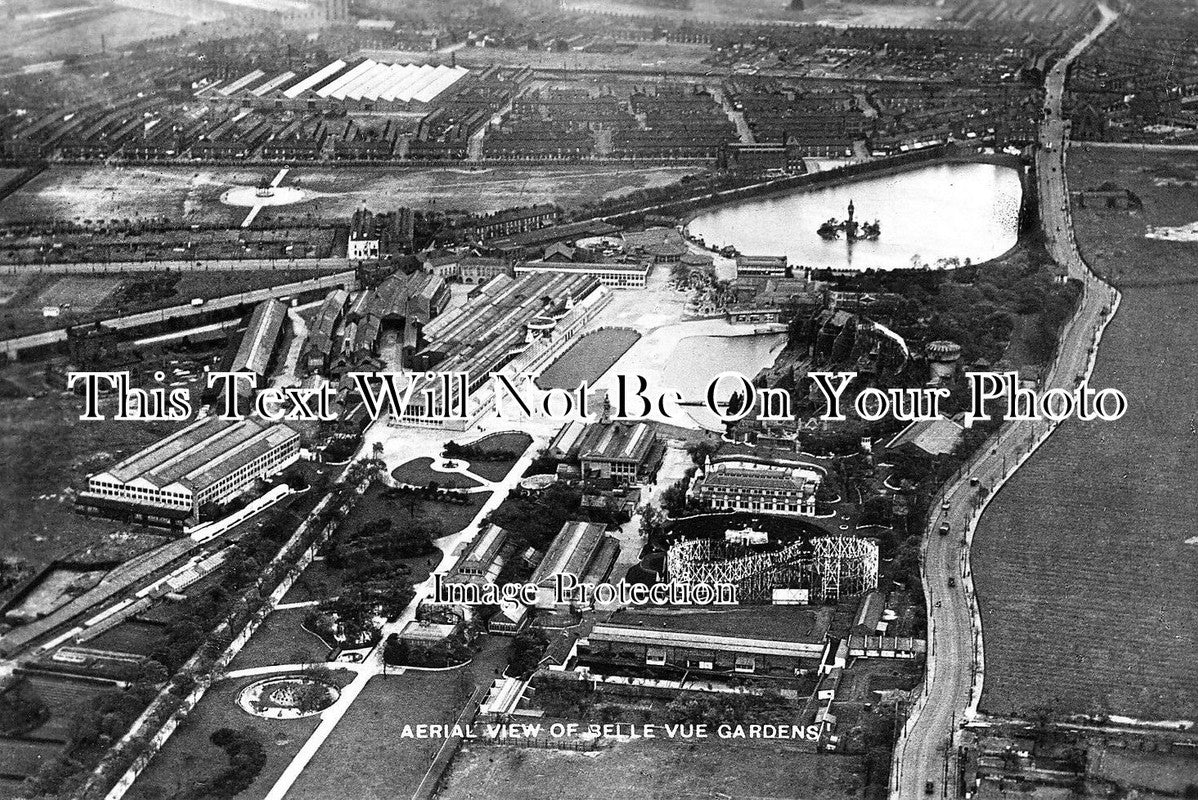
{"x": 1167, "y": 773}
{"x": 1081, "y": 563}
{"x": 1113, "y": 241}
{"x": 192, "y": 194}
{"x": 189, "y": 757}
{"x": 131, "y": 636}
{"x": 79, "y": 295}
{"x": 81, "y": 32}
{"x": 653, "y": 769}
{"x": 45, "y": 453}
{"x": 22, "y": 758}
{"x": 66, "y": 699}
{"x": 21, "y": 311}
{"x": 365, "y": 757}
{"x": 588, "y": 358}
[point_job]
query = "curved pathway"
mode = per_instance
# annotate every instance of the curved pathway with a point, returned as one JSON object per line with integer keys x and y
{"x": 926, "y": 751}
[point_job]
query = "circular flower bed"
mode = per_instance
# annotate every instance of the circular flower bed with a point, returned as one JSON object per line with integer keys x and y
{"x": 287, "y": 697}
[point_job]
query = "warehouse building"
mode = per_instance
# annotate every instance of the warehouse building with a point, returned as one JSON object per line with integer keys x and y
{"x": 572, "y": 551}
{"x": 209, "y": 461}
{"x": 786, "y": 640}
{"x": 260, "y": 340}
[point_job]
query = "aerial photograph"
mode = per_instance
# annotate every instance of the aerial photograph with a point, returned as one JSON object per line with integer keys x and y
{"x": 598, "y": 399}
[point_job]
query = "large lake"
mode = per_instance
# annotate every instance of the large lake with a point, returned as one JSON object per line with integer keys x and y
{"x": 929, "y": 213}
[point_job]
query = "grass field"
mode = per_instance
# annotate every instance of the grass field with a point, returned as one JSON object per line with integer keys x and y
{"x": 588, "y": 358}
{"x": 653, "y": 769}
{"x": 131, "y": 636}
{"x": 281, "y": 640}
{"x": 45, "y": 454}
{"x": 80, "y": 295}
{"x": 192, "y": 194}
{"x": 188, "y": 756}
{"x": 450, "y": 516}
{"x": 1081, "y": 562}
{"x": 365, "y": 757}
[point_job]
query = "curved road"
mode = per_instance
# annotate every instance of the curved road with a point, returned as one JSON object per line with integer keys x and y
{"x": 926, "y": 751}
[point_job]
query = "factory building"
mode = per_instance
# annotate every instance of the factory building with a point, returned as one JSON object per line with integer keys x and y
{"x": 572, "y": 552}
{"x": 258, "y": 344}
{"x": 209, "y": 461}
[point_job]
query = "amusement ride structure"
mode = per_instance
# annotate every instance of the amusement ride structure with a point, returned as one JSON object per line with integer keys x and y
{"x": 831, "y": 567}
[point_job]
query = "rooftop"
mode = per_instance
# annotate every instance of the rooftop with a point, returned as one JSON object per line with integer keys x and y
{"x": 201, "y": 453}
{"x": 616, "y": 440}
{"x": 572, "y": 549}
{"x": 935, "y": 437}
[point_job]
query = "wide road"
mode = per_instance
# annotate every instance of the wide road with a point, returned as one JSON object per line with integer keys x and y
{"x": 926, "y": 751}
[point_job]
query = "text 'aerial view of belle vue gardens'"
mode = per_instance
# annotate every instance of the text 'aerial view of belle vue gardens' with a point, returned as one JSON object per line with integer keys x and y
{"x": 598, "y": 399}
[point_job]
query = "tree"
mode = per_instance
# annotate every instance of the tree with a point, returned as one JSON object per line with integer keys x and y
{"x": 700, "y": 451}
{"x": 651, "y": 525}
{"x": 526, "y": 651}
{"x": 153, "y": 673}
{"x": 312, "y": 697}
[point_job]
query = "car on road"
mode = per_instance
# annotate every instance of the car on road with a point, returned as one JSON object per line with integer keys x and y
{"x": 945, "y": 506}
{"x": 952, "y": 581}
{"x": 944, "y": 529}
{"x": 974, "y": 481}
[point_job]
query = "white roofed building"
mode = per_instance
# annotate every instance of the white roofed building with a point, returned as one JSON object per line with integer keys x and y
{"x": 211, "y": 460}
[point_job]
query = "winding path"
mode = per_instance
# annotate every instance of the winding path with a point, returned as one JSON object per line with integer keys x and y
{"x": 926, "y": 751}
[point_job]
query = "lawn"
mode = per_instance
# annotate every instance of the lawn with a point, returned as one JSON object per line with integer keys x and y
{"x": 508, "y": 442}
{"x": 1081, "y": 562}
{"x": 188, "y": 756}
{"x": 365, "y": 757}
{"x": 418, "y": 472}
{"x": 450, "y": 517}
{"x": 588, "y": 358}
{"x": 280, "y": 639}
{"x": 660, "y": 768}
{"x": 131, "y": 636}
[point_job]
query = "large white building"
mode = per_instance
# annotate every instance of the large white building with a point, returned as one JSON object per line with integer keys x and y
{"x": 753, "y": 485}
{"x": 210, "y": 460}
{"x": 618, "y": 275}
